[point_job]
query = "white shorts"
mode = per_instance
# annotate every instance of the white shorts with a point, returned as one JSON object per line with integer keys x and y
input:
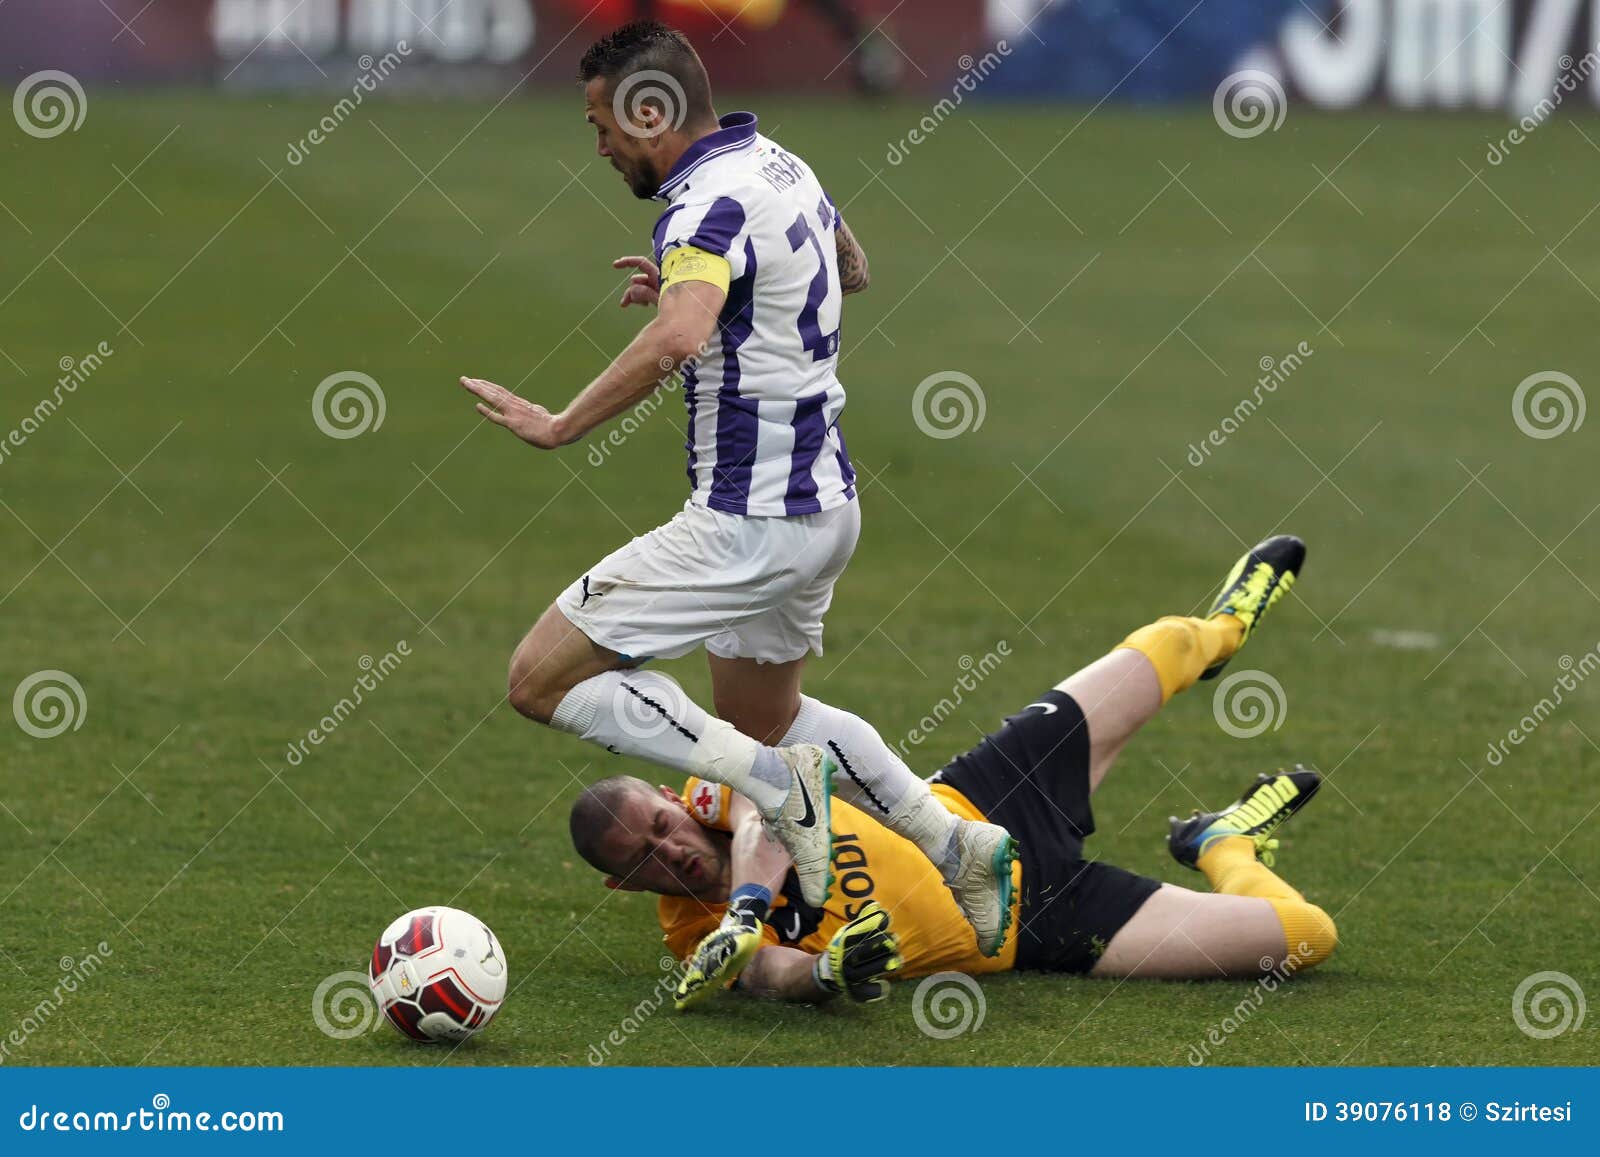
{"x": 744, "y": 587}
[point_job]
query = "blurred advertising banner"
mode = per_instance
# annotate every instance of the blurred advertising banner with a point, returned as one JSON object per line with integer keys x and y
{"x": 481, "y": 45}
{"x": 1520, "y": 56}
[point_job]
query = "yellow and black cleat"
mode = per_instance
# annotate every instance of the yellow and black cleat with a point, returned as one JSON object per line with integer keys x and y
{"x": 1261, "y": 810}
{"x": 1257, "y": 581}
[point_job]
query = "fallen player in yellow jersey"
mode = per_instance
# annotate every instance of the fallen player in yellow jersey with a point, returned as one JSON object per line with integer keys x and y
{"x": 1035, "y": 776}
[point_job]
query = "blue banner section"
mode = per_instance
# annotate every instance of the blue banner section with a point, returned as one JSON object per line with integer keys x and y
{"x": 1046, "y": 1111}
{"x": 1137, "y": 49}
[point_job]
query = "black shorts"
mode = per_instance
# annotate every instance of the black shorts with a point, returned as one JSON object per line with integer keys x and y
{"x": 1032, "y": 778}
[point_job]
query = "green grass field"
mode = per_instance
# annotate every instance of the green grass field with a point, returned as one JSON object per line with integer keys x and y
{"x": 182, "y": 539}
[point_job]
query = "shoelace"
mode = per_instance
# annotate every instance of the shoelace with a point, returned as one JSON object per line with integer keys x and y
{"x": 1266, "y": 844}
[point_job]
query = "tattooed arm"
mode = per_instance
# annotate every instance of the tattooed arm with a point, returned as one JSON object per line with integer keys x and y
{"x": 853, "y": 273}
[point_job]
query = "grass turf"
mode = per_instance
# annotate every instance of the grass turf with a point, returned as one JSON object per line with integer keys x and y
{"x": 1114, "y": 309}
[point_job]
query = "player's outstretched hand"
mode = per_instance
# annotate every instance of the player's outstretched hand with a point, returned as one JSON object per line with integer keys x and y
{"x": 862, "y": 957}
{"x": 719, "y": 958}
{"x": 529, "y": 421}
{"x": 645, "y": 285}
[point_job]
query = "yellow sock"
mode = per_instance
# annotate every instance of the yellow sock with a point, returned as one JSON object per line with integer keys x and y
{"x": 1181, "y": 648}
{"x": 1309, "y": 935}
{"x": 1231, "y": 867}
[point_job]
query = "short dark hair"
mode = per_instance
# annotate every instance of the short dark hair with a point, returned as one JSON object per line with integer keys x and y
{"x": 649, "y": 45}
{"x": 594, "y": 813}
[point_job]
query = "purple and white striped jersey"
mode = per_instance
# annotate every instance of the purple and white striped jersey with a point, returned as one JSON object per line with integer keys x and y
{"x": 764, "y": 399}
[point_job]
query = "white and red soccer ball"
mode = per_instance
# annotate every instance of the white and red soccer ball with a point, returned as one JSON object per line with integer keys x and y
{"x": 438, "y": 974}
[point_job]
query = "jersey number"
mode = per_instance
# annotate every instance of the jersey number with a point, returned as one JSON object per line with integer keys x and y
{"x": 822, "y": 345}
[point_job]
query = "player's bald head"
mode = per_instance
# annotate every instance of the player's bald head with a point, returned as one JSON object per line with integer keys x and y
{"x": 644, "y": 840}
{"x": 596, "y": 811}
{"x": 648, "y": 46}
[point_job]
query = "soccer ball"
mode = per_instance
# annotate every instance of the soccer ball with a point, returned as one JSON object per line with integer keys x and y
{"x": 438, "y": 974}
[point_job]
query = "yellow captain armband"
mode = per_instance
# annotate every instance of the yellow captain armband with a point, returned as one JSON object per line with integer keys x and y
{"x": 686, "y": 263}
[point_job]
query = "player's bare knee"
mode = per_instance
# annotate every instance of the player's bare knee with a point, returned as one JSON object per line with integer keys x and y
{"x": 530, "y": 690}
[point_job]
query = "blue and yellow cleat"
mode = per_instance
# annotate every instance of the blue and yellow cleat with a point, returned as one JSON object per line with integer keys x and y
{"x": 1261, "y": 810}
{"x": 1257, "y": 581}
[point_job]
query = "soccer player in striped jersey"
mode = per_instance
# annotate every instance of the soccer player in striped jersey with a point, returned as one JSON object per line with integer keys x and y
{"x": 751, "y": 263}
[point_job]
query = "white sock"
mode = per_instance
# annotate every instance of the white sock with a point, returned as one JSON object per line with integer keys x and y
{"x": 876, "y": 780}
{"x": 647, "y": 715}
